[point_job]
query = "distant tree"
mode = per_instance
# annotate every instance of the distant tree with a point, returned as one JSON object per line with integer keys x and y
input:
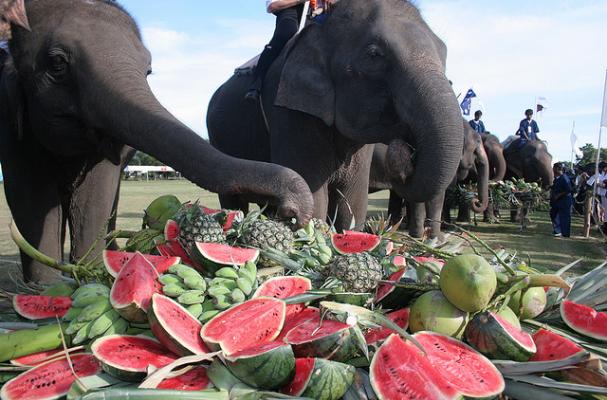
{"x": 141, "y": 158}
{"x": 589, "y": 154}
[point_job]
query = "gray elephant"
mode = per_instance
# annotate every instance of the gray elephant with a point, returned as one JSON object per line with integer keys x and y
{"x": 373, "y": 72}
{"x": 11, "y": 12}
{"x": 497, "y": 169}
{"x": 473, "y": 165}
{"x": 74, "y": 101}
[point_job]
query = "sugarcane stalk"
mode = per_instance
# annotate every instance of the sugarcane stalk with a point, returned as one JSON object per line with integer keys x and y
{"x": 33, "y": 253}
{"x": 153, "y": 394}
{"x": 30, "y": 341}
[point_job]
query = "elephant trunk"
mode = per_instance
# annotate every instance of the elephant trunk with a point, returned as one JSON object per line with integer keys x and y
{"x": 497, "y": 163}
{"x": 481, "y": 203}
{"x": 437, "y": 135}
{"x": 128, "y": 112}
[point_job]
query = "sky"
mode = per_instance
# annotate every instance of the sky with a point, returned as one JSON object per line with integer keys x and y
{"x": 509, "y": 52}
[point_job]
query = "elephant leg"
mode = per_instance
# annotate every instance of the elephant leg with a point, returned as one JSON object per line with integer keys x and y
{"x": 434, "y": 208}
{"x": 233, "y": 202}
{"x": 33, "y": 197}
{"x": 395, "y": 208}
{"x": 90, "y": 207}
{"x": 417, "y": 217}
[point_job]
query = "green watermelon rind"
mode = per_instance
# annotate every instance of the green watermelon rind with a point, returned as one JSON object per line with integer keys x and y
{"x": 133, "y": 311}
{"x": 270, "y": 369}
{"x": 30, "y": 314}
{"x": 338, "y": 346}
{"x": 4, "y": 392}
{"x": 488, "y": 334}
{"x": 211, "y": 264}
{"x": 119, "y": 371}
{"x": 338, "y": 248}
{"x": 328, "y": 380}
{"x": 571, "y": 324}
{"x": 162, "y": 329}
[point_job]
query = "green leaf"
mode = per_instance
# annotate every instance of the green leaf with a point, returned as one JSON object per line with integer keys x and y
{"x": 513, "y": 368}
{"x": 525, "y": 391}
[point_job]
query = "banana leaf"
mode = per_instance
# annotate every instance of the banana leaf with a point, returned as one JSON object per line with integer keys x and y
{"x": 131, "y": 393}
{"x": 525, "y": 391}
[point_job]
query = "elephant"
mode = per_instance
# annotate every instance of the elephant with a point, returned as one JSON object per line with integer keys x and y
{"x": 371, "y": 73}
{"x": 497, "y": 168}
{"x": 12, "y": 12}
{"x": 74, "y": 103}
{"x": 473, "y": 165}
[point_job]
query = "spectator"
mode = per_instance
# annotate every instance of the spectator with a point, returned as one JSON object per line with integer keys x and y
{"x": 601, "y": 188}
{"x": 560, "y": 202}
{"x": 476, "y": 123}
{"x": 528, "y": 128}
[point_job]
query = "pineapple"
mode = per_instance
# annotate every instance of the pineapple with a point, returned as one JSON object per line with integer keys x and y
{"x": 196, "y": 226}
{"x": 268, "y": 234}
{"x": 358, "y": 273}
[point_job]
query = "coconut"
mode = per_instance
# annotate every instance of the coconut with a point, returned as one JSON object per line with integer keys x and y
{"x": 533, "y": 304}
{"x": 160, "y": 211}
{"x": 468, "y": 281}
{"x": 433, "y": 312}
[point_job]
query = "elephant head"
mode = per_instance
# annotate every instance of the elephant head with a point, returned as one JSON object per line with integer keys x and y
{"x": 474, "y": 164}
{"x": 532, "y": 162}
{"x": 80, "y": 84}
{"x": 11, "y": 12}
{"x": 376, "y": 72}
{"x": 495, "y": 154}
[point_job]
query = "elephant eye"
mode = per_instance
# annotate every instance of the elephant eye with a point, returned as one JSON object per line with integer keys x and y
{"x": 374, "y": 51}
{"x": 58, "y": 64}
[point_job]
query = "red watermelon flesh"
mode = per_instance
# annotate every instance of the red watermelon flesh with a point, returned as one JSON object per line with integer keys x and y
{"x": 283, "y": 287}
{"x": 423, "y": 260}
{"x": 552, "y": 346}
{"x": 36, "y": 307}
{"x": 174, "y": 249}
{"x": 249, "y": 324}
{"x": 171, "y": 230}
{"x": 115, "y": 260}
{"x": 294, "y": 320}
{"x": 309, "y": 330}
{"x": 132, "y": 290}
{"x": 518, "y": 334}
{"x": 50, "y": 380}
{"x": 132, "y": 353}
{"x": 584, "y": 320}
{"x": 303, "y": 372}
{"x": 471, "y": 373}
{"x": 384, "y": 289}
{"x": 225, "y": 254}
{"x": 175, "y": 327}
{"x": 399, "y": 261}
{"x": 400, "y": 317}
{"x": 36, "y": 359}
{"x": 351, "y": 242}
{"x": 194, "y": 379}
{"x": 400, "y": 371}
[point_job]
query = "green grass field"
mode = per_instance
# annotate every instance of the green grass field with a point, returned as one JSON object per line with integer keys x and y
{"x": 537, "y": 242}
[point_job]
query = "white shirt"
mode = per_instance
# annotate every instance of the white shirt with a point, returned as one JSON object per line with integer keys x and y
{"x": 599, "y": 190}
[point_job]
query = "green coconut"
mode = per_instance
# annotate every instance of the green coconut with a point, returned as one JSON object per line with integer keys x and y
{"x": 468, "y": 281}
{"x": 533, "y": 304}
{"x": 160, "y": 211}
{"x": 433, "y": 312}
{"x": 509, "y": 315}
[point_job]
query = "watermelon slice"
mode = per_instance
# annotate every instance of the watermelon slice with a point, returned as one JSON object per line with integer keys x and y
{"x": 282, "y": 287}
{"x": 129, "y": 357}
{"x": 249, "y": 324}
{"x": 194, "y": 379}
{"x": 115, "y": 260}
{"x": 50, "y": 380}
{"x": 584, "y": 320}
{"x": 171, "y": 231}
{"x": 400, "y": 371}
{"x": 175, "y": 327}
{"x": 269, "y": 366}
{"x": 552, "y": 346}
{"x": 400, "y": 317}
{"x": 35, "y": 307}
{"x": 316, "y": 378}
{"x": 294, "y": 320}
{"x": 325, "y": 339}
{"x": 174, "y": 249}
{"x": 384, "y": 289}
{"x": 351, "y": 242}
{"x": 214, "y": 256}
{"x": 36, "y": 359}
{"x": 469, "y": 372}
{"x": 132, "y": 290}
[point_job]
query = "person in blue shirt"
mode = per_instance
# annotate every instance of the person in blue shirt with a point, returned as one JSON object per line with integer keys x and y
{"x": 476, "y": 123}
{"x": 561, "y": 200}
{"x": 528, "y": 128}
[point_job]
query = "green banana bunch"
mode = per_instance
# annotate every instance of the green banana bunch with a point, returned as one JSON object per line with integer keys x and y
{"x": 91, "y": 314}
{"x": 231, "y": 286}
{"x": 186, "y": 286}
{"x": 89, "y": 294}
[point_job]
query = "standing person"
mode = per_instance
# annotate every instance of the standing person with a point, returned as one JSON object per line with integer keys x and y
{"x": 561, "y": 201}
{"x": 528, "y": 128}
{"x": 476, "y": 123}
{"x": 601, "y": 188}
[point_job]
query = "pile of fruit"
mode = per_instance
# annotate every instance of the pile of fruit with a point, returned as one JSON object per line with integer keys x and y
{"x": 213, "y": 304}
{"x": 517, "y": 192}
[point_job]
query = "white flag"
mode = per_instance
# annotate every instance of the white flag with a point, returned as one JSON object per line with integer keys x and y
{"x": 574, "y": 146}
{"x": 604, "y": 114}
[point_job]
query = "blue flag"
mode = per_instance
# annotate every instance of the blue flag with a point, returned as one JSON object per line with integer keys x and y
{"x": 467, "y": 102}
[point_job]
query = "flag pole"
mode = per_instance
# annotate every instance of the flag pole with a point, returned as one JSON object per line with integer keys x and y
{"x": 603, "y": 124}
{"x": 572, "y": 144}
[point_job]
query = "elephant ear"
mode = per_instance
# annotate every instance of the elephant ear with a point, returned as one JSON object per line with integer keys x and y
{"x": 305, "y": 84}
{"x": 11, "y": 95}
